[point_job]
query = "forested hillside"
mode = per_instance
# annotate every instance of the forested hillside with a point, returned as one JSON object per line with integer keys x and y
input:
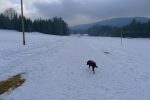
{"x": 9, "y": 19}
{"x": 134, "y": 29}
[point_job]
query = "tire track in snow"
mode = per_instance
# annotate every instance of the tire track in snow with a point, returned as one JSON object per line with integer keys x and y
{"x": 125, "y": 66}
{"x": 130, "y": 59}
{"x": 20, "y": 57}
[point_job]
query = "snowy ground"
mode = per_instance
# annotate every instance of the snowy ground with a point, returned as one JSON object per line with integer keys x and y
{"x": 56, "y": 67}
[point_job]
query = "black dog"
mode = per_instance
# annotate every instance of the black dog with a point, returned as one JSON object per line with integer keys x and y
{"x": 93, "y": 64}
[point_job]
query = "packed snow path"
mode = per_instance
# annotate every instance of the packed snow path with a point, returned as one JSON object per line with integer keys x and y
{"x": 56, "y": 68}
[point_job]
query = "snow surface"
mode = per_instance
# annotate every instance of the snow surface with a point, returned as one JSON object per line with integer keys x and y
{"x": 56, "y": 67}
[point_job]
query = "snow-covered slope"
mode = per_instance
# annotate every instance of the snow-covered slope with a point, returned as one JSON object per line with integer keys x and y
{"x": 56, "y": 67}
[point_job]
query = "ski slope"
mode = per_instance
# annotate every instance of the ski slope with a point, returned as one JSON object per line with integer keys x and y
{"x": 56, "y": 67}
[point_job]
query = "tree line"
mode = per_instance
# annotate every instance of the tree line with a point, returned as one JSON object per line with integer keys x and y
{"x": 10, "y": 20}
{"x": 134, "y": 29}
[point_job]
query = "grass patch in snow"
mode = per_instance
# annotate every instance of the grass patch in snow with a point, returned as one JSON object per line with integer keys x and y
{"x": 11, "y": 83}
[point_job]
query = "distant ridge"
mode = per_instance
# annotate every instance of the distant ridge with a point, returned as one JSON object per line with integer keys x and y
{"x": 115, "y": 22}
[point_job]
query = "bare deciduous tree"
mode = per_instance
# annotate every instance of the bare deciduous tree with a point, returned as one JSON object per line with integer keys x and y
{"x": 10, "y": 13}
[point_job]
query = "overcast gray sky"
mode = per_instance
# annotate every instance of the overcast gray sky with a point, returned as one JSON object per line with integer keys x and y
{"x": 80, "y": 11}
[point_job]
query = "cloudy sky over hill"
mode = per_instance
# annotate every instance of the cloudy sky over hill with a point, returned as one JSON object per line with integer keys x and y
{"x": 80, "y": 11}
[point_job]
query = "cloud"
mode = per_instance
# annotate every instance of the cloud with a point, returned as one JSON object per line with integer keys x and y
{"x": 65, "y": 8}
{"x": 81, "y": 11}
{"x": 93, "y": 9}
{"x": 4, "y": 4}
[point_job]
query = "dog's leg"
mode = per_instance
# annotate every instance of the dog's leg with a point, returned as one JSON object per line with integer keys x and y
{"x": 93, "y": 70}
{"x": 89, "y": 66}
